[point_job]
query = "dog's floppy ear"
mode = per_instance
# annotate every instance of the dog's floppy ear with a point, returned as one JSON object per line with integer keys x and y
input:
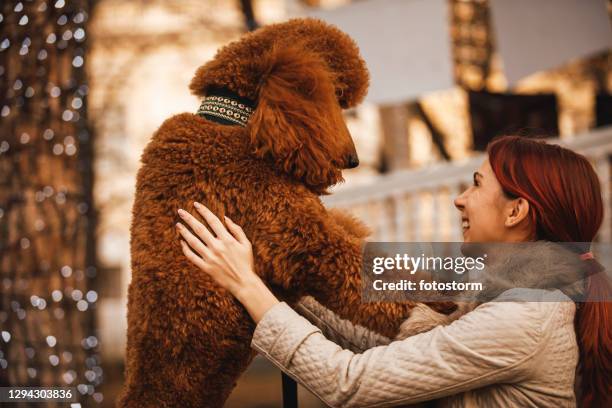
{"x": 298, "y": 121}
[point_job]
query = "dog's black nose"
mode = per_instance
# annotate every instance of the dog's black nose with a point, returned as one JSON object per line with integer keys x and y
{"x": 353, "y": 161}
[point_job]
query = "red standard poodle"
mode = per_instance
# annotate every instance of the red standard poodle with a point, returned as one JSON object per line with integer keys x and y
{"x": 265, "y": 167}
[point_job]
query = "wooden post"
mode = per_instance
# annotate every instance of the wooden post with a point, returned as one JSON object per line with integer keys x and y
{"x": 396, "y": 147}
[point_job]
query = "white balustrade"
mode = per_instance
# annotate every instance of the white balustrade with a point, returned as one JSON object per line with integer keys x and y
{"x": 417, "y": 205}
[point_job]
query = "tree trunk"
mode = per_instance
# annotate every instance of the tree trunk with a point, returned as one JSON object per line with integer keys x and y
{"x": 47, "y": 220}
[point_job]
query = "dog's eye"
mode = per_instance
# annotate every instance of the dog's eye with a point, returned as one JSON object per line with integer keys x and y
{"x": 339, "y": 96}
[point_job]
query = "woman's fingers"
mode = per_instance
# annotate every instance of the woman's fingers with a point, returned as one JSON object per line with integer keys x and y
{"x": 197, "y": 227}
{"x": 193, "y": 257}
{"x": 212, "y": 220}
{"x": 237, "y": 231}
{"x": 193, "y": 241}
{"x": 227, "y": 258}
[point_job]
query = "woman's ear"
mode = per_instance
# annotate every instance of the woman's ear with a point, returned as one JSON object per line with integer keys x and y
{"x": 298, "y": 122}
{"x": 518, "y": 212}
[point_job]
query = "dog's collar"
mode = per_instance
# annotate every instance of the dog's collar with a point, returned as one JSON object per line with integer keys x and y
{"x": 226, "y": 107}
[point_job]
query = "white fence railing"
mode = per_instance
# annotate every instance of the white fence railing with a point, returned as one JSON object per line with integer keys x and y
{"x": 417, "y": 205}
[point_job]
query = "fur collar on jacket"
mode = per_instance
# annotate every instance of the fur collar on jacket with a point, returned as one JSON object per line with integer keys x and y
{"x": 533, "y": 265}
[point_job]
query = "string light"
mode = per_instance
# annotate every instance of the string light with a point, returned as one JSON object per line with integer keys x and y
{"x": 43, "y": 51}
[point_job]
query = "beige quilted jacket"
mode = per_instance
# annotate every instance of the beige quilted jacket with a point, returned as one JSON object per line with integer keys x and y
{"x": 501, "y": 354}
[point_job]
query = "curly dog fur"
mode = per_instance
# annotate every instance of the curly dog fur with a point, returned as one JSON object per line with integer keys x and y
{"x": 189, "y": 340}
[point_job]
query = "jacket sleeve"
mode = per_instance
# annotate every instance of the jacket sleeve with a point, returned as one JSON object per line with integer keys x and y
{"x": 342, "y": 332}
{"x": 496, "y": 342}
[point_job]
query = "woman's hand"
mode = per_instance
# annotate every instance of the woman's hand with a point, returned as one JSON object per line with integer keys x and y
{"x": 226, "y": 257}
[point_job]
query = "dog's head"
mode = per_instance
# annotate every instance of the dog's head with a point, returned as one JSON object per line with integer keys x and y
{"x": 301, "y": 74}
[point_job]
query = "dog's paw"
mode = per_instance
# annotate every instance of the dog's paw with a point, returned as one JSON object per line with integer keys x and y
{"x": 350, "y": 223}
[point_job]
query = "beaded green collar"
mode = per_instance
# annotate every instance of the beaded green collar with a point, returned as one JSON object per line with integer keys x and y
{"x": 226, "y": 109}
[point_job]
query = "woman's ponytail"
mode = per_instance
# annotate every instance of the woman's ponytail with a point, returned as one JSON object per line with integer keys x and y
{"x": 593, "y": 331}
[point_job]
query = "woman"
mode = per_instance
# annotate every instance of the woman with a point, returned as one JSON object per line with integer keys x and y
{"x": 500, "y": 353}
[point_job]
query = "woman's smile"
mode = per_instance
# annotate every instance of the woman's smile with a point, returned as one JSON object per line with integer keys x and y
{"x": 465, "y": 224}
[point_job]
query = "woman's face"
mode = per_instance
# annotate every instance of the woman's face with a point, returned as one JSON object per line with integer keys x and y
{"x": 487, "y": 215}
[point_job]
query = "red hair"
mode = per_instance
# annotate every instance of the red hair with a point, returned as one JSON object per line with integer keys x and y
{"x": 565, "y": 205}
